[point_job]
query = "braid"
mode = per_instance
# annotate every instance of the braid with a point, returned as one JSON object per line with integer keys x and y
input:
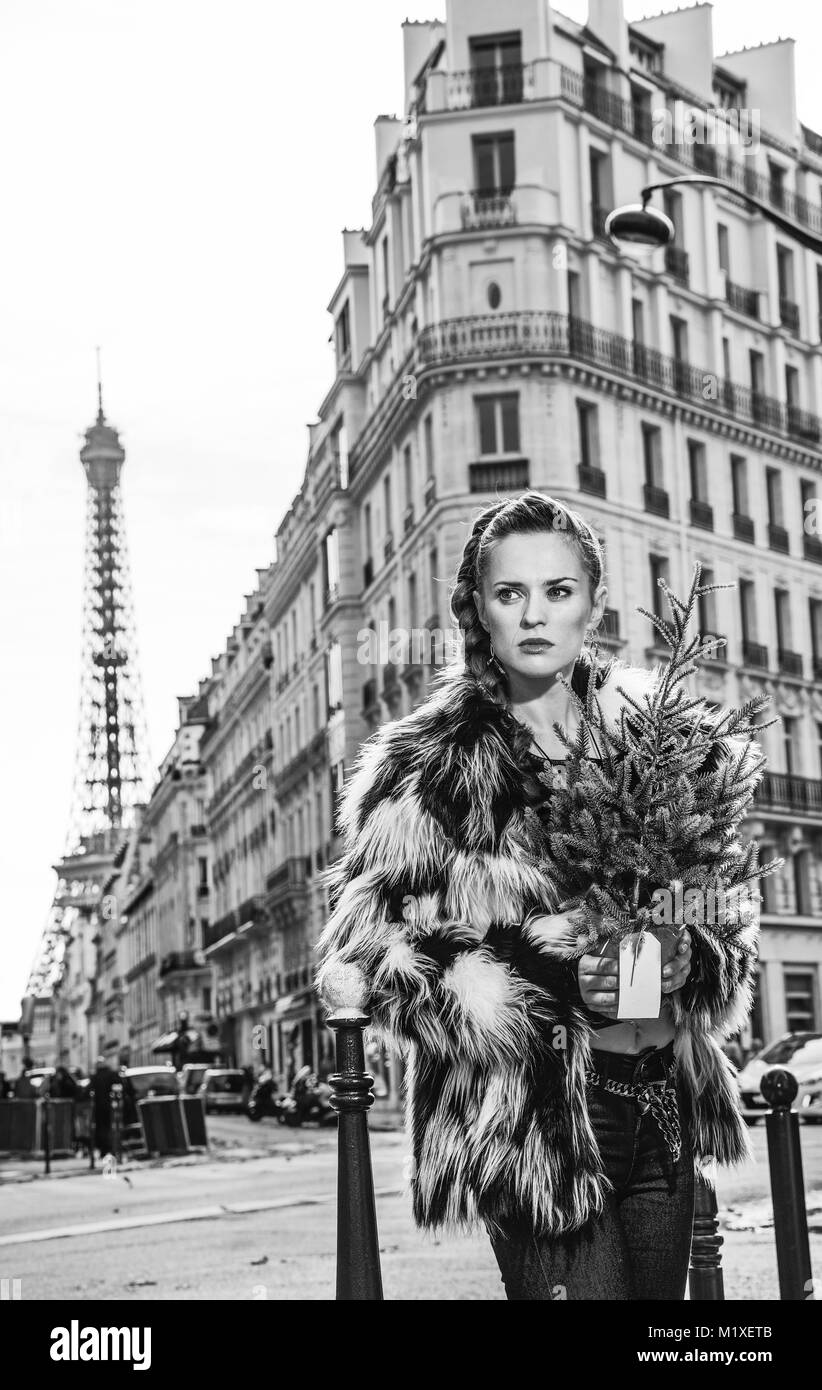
{"x": 476, "y": 638}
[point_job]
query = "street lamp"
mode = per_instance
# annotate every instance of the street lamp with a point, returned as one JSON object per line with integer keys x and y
{"x": 638, "y": 230}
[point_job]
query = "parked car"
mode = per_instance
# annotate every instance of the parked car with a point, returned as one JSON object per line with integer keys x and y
{"x": 224, "y": 1088}
{"x": 191, "y": 1077}
{"x": 140, "y": 1083}
{"x": 800, "y": 1053}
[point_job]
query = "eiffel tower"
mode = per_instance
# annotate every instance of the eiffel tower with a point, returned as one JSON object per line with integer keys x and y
{"x": 112, "y": 764}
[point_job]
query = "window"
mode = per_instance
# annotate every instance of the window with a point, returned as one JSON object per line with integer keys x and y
{"x": 739, "y": 484}
{"x": 412, "y": 600}
{"x": 789, "y": 745}
{"x": 331, "y": 564}
{"x": 498, "y": 424}
{"x": 202, "y": 868}
{"x": 782, "y": 610}
{"x": 388, "y": 504}
{"x": 800, "y": 1002}
{"x": 496, "y": 69}
{"x": 574, "y": 295}
{"x": 706, "y": 606}
{"x": 343, "y": 334}
{"x": 588, "y": 434}
{"x": 386, "y": 284}
{"x": 659, "y": 570}
{"x": 819, "y": 747}
{"x": 494, "y": 166}
{"x": 792, "y": 387}
{"x": 367, "y": 530}
{"x": 638, "y": 320}
{"x": 334, "y": 676}
{"x": 698, "y": 470}
{"x": 428, "y": 445}
{"x": 784, "y": 272}
{"x": 727, "y": 360}
{"x": 747, "y": 609}
{"x": 815, "y": 616}
{"x": 408, "y": 475}
{"x": 773, "y": 487}
{"x": 757, "y": 365}
{"x": 652, "y": 455}
{"x": 672, "y": 203}
{"x": 494, "y": 295}
{"x": 776, "y": 177}
{"x": 722, "y": 247}
{"x": 601, "y": 199}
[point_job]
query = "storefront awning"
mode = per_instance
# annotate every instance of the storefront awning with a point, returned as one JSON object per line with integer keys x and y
{"x": 292, "y": 1004}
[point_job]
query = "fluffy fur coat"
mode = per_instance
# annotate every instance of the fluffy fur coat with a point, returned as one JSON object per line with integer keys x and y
{"x": 439, "y": 870}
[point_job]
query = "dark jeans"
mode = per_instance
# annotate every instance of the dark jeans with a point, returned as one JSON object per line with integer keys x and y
{"x": 639, "y": 1247}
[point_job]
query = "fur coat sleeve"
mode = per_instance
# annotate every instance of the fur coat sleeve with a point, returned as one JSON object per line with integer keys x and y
{"x": 427, "y": 899}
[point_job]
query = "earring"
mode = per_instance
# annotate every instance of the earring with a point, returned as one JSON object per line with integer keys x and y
{"x": 493, "y": 660}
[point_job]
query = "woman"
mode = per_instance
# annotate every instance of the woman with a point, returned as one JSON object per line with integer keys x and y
{"x": 571, "y": 1136}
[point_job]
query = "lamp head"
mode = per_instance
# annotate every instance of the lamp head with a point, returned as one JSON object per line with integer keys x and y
{"x": 638, "y": 230}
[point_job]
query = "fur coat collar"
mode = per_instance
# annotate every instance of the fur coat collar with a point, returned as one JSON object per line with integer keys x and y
{"x": 440, "y": 866}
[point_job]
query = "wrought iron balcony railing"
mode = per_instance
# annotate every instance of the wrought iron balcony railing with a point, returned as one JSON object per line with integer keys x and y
{"x": 510, "y": 475}
{"x": 676, "y": 264}
{"x": 492, "y": 207}
{"x": 743, "y": 527}
{"x": 544, "y": 333}
{"x": 790, "y": 663}
{"x": 782, "y": 791}
{"x": 656, "y": 500}
{"x": 591, "y": 480}
{"x": 755, "y": 654}
{"x": 745, "y": 301}
{"x": 789, "y": 314}
{"x": 778, "y": 538}
{"x": 702, "y": 514}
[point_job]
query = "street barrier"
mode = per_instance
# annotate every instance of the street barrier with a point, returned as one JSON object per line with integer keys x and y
{"x": 163, "y": 1126}
{"x": 790, "y": 1218}
{"x": 194, "y": 1121}
{"x": 19, "y": 1126}
{"x": 358, "y": 1249}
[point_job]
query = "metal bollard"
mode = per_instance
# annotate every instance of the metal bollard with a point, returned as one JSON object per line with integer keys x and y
{"x": 46, "y": 1133}
{"x": 91, "y": 1133}
{"x": 358, "y": 1249}
{"x": 790, "y": 1219}
{"x": 705, "y": 1280}
{"x": 116, "y": 1122}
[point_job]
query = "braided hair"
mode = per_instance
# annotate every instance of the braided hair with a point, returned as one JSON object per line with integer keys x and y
{"x": 528, "y": 514}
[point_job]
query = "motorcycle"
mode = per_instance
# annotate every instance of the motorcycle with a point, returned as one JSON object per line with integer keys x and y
{"x": 263, "y": 1099}
{"x": 308, "y": 1100}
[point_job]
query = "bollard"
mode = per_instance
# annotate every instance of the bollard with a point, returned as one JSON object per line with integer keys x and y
{"x": 46, "y": 1134}
{"x": 790, "y": 1219}
{"x": 705, "y": 1281}
{"x": 116, "y": 1123}
{"x": 358, "y": 1250}
{"x": 91, "y": 1134}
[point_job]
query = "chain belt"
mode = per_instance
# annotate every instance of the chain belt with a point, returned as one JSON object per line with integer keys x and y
{"x": 658, "y": 1097}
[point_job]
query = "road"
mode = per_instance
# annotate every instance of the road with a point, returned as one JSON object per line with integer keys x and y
{"x": 256, "y": 1219}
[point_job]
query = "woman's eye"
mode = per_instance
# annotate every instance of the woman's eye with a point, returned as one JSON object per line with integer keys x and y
{"x": 558, "y": 589}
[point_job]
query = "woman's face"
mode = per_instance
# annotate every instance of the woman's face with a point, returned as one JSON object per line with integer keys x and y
{"x": 536, "y": 603}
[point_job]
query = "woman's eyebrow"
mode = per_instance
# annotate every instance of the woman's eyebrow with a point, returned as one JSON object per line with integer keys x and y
{"x": 513, "y": 582}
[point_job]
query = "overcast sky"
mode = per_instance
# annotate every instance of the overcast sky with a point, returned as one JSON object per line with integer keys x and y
{"x": 175, "y": 176}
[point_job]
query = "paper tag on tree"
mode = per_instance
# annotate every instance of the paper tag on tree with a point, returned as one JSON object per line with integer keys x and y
{"x": 640, "y": 976}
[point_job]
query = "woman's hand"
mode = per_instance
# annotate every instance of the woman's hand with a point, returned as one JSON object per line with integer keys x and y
{"x": 598, "y": 975}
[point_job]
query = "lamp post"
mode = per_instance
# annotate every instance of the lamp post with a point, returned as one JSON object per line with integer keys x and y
{"x": 637, "y": 229}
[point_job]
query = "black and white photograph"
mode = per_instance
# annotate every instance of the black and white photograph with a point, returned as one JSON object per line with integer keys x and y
{"x": 411, "y": 704}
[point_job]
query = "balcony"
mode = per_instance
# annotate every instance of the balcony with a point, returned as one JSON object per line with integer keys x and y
{"x": 508, "y": 475}
{"x": 782, "y": 791}
{"x": 491, "y": 207}
{"x": 755, "y": 654}
{"x": 743, "y": 527}
{"x": 702, "y": 514}
{"x": 789, "y": 315}
{"x": 250, "y": 913}
{"x": 778, "y": 538}
{"x": 656, "y": 500}
{"x": 716, "y": 652}
{"x": 591, "y": 480}
{"x": 790, "y": 663}
{"x": 505, "y": 85}
{"x": 802, "y": 424}
{"x": 812, "y": 548}
{"x": 676, "y": 264}
{"x": 743, "y": 300}
{"x": 181, "y": 961}
{"x": 546, "y": 335}
{"x": 287, "y": 893}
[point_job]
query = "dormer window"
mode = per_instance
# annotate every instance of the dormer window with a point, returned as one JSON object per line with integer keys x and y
{"x": 342, "y": 330}
{"x": 728, "y": 91}
{"x": 645, "y": 53}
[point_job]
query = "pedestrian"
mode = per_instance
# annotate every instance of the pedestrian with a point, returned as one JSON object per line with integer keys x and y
{"x": 533, "y": 1111}
{"x": 102, "y": 1081}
